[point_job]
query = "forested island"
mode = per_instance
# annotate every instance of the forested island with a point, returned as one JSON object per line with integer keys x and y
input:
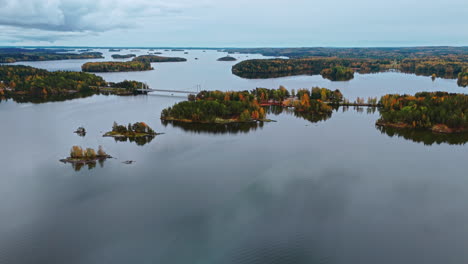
{"x": 24, "y": 83}
{"x": 140, "y": 63}
{"x": 154, "y": 58}
{"x": 444, "y": 62}
{"x": 244, "y": 106}
{"x": 116, "y": 66}
{"x": 137, "y": 130}
{"x": 338, "y": 73}
{"x": 9, "y": 55}
{"x": 439, "y": 112}
{"x": 126, "y": 56}
{"x": 227, "y": 58}
{"x": 268, "y": 68}
{"x": 345, "y": 68}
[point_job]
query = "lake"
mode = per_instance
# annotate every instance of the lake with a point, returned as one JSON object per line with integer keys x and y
{"x": 291, "y": 191}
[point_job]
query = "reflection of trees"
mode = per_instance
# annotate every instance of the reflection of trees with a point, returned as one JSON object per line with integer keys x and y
{"x": 140, "y": 141}
{"x": 77, "y": 166}
{"x": 232, "y": 128}
{"x": 313, "y": 117}
{"x": 425, "y": 136}
{"x": 268, "y": 75}
{"x": 27, "y": 98}
{"x": 309, "y": 116}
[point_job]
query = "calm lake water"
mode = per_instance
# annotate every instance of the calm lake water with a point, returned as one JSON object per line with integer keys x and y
{"x": 336, "y": 191}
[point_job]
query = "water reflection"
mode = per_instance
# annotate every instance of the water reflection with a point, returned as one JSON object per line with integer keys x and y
{"x": 233, "y": 128}
{"x": 140, "y": 141}
{"x": 269, "y": 75}
{"x": 77, "y": 166}
{"x": 27, "y": 98}
{"x": 424, "y": 136}
{"x": 309, "y": 116}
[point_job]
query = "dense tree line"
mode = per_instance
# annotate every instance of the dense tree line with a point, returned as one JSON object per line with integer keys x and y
{"x": 9, "y": 55}
{"x": 25, "y": 79}
{"x": 116, "y": 66}
{"x": 154, "y": 58}
{"x": 425, "y": 110}
{"x": 445, "y": 68}
{"x": 463, "y": 78}
{"x": 28, "y": 84}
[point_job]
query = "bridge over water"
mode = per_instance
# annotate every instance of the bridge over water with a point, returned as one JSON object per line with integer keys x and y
{"x": 145, "y": 89}
{"x": 166, "y": 90}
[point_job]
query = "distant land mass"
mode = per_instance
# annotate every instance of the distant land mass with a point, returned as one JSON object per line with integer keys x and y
{"x": 127, "y": 56}
{"x": 9, "y": 55}
{"x": 338, "y": 63}
{"x": 227, "y": 58}
{"x": 154, "y": 58}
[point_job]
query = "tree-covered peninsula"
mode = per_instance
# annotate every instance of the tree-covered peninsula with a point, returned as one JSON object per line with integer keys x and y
{"x": 126, "y": 66}
{"x": 24, "y": 84}
{"x": 154, "y": 58}
{"x": 126, "y": 56}
{"x": 463, "y": 78}
{"x": 28, "y": 80}
{"x": 440, "y": 112}
{"x": 9, "y": 55}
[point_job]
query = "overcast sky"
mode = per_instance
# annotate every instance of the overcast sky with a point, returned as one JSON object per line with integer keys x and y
{"x": 233, "y": 23}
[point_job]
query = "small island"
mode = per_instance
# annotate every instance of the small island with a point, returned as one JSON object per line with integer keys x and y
{"x": 138, "y": 129}
{"x": 217, "y": 107}
{"x": 227, "y": 58}
{"x": 80, "y": 131}
{"x": 154, "y": 58}
{"x": 79, "y": 155}
{"x": 126, "y": 66}
{"x": 440, "y": 112}
{"x": 126, "y": 56}
{"x": 338, "y": 73}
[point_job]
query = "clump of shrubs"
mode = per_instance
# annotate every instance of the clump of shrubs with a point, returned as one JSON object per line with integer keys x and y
{"x": 77, "y": 152}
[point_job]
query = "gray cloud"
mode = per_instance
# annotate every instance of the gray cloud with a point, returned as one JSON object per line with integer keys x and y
{"x": 84, "y": 15}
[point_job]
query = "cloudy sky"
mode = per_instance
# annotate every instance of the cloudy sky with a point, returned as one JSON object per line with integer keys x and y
{"x": 228, "y": 23}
